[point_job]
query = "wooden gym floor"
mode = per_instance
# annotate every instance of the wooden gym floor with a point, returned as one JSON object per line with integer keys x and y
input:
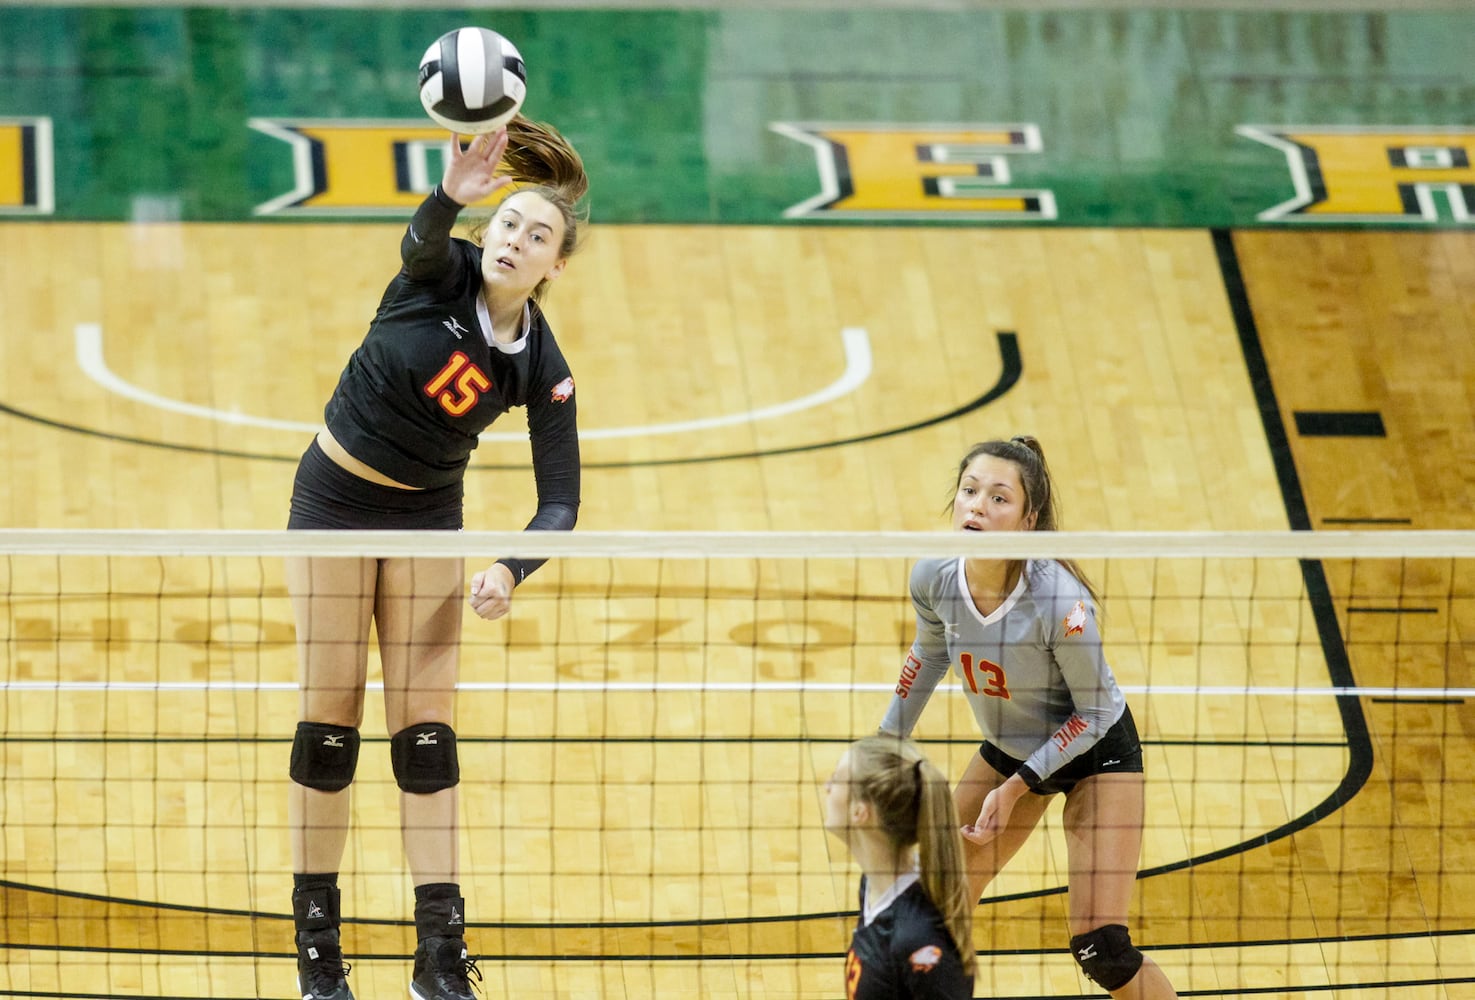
{"x": 666, "y": 841}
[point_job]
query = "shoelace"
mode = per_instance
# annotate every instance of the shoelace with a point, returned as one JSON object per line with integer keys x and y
{"x": 466, "y": 968}
{"x": 326, "y": 970}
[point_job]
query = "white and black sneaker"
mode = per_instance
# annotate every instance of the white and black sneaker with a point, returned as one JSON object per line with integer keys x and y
{"x": 442, "y": 970}
{"x": 321, "y": 972}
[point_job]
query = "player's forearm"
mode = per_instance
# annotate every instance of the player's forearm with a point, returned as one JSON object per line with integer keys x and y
{"x": 425, "y": 249}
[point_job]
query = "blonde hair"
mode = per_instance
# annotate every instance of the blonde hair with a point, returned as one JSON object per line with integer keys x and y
{"x": 543, "y": 162}
{"x": 914, "y": 805}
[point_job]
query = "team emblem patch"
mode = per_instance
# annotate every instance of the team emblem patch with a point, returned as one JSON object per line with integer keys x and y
{"x": 1075, "y": 622}
{"x": 563, "y": 390}
{"x": 925, "y": 959}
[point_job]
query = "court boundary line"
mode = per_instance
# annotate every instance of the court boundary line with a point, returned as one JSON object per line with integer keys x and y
{"x": 1008, "y": 344}
{"x": 1318, "y": 592}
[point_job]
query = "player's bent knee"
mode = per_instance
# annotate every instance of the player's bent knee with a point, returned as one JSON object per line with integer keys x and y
{"x": 424, "y": 758}
{"x": 324, "y": 757}
{"x": 1107, "y": 956}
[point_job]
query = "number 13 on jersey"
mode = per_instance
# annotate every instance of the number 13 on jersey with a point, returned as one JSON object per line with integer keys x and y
{"x": 989, "y": 673}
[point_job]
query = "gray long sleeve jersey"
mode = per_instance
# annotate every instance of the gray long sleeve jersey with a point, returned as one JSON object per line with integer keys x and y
{"x": 1033, "y": 671}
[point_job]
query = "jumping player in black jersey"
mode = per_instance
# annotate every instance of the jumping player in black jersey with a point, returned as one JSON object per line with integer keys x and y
{"x": 895, "y": 812}
{"x": 1028, "y": 652}
{"x": 459, "y": 338}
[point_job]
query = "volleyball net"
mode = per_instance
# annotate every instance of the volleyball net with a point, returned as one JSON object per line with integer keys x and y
{"x": 644, "y": 741}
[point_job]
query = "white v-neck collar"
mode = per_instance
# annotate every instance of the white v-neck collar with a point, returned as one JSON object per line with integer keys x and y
{"x": 998, "y": 612}
{"x": 875, "y": 907}
{"x": 484, "y": 316}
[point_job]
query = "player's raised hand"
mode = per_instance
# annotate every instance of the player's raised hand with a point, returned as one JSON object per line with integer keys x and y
{"x": 491, "y": 592}
{"x": 471, "y": 172}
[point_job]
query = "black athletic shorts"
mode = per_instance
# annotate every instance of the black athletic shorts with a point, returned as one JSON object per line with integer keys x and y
{"x": 1119, "y": 751}
{"x": 327, "y": 496}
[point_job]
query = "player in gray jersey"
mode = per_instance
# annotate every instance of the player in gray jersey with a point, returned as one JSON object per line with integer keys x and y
{"x": 1023, "y": 638}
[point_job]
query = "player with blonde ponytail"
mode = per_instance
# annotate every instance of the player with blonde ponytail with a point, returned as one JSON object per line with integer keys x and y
{"x": 894, "y": 811}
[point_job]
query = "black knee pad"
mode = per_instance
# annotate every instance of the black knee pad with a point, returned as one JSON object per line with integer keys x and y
{"x": 424, "y": 758}
{"x": 323, "y": 756}
{"x": 1107, "y": 956}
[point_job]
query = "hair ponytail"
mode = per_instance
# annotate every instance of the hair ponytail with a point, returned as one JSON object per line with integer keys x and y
{"x": 940, "y": 853}
{"x": 914, "y": 805}
{"x": 537, "y": 153}
{"x": 539, "y": 159}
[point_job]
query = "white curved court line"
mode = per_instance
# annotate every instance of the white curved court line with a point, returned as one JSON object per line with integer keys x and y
{"x": 90, "y": 359}
{"x": 858, "y": 366}
{"x": 757, "y": 687}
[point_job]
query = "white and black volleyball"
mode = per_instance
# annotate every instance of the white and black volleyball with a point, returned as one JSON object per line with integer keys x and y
{"x": 472, "y": 80}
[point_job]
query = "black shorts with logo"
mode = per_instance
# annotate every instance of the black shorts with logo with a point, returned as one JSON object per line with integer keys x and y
{"x": 1119, "y": 751}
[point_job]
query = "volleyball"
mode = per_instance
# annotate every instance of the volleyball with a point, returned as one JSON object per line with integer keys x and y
{"x": 472, "y": 80}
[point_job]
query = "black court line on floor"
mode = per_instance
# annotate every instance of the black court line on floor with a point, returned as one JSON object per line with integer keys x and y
{"x": 177, "y": 907}
{"x": 1339, "y": 423}
{"x": 1323, "y": 608}
{"x": 1352, "y": 610}
{"x": 1011, "y": 370}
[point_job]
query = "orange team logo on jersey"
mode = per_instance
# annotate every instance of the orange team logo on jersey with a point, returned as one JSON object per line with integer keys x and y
{"x": 563, "y": 390}
{"x": 925, "y": 959}
{"x": 852, "y": 974}
{"x": 1075, "y": 622}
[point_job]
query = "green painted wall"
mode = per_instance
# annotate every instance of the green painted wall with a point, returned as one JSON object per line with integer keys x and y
{"x": 1137, "y": 109}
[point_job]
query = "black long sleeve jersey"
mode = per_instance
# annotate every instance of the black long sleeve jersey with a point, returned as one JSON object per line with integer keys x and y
{"x": 425, "y": 381}
{"x": 904, "y": 949}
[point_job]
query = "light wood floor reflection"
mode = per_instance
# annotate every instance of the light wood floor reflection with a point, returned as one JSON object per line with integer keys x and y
{"x": 644, "y": 741}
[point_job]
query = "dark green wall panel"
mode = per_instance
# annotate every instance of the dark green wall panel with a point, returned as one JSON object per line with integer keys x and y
{"x": 671, "y": 109}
